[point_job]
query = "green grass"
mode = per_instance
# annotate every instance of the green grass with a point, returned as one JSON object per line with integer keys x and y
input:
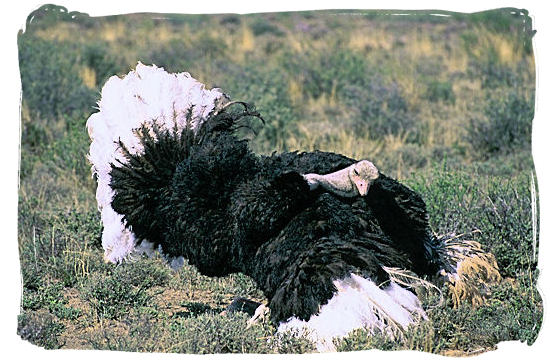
{"x": 443, "y": 104}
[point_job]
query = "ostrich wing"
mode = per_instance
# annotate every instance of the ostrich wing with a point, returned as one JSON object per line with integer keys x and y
{"x": 325, "y": 242}
{"x": 402, "y": 215}
{"x": 262, "y": 207}
{"x": 400, "y": 212}
{"x": 318, "y": 162}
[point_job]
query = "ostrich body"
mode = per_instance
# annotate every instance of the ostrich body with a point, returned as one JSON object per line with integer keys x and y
{"x": 316, "y": 231}
{"x": 228, "y": 210}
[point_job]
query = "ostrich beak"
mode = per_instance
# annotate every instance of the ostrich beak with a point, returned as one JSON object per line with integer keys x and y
{"x": 362, "y": 186}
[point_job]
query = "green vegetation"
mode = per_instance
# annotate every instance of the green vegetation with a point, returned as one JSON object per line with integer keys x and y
{"x": 444, "y": 104}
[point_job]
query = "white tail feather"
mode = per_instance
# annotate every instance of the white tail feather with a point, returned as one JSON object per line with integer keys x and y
{"x": 144, "y": 95}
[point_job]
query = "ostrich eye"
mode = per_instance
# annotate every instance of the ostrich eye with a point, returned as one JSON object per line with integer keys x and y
{"x": 355, "y": 171}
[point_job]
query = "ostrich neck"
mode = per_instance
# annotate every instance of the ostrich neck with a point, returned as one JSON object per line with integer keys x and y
{"x": 337, "y": 182}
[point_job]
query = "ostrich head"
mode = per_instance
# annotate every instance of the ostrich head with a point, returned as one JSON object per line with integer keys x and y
{"x": 362, "y": 174}
{"x": 352, "y": 181}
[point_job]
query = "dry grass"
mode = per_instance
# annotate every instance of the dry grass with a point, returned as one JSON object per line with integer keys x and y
{"x": 322, "y": 136}
{"x": 88, "y": 77}
{"x": 247, "y": 40}
{"x": 370, "y": 39}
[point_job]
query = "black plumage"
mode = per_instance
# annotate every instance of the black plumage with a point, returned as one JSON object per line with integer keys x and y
{"x": 202, "y": 194}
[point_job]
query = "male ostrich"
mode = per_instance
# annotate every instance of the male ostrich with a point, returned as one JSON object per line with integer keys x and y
{"x": 319, "y": 233}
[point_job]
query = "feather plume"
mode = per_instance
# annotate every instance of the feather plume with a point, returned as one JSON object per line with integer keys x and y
{"x": 470, "y": 270}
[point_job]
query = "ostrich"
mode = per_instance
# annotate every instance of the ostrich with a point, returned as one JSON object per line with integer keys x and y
{"x": 321, "y": 234}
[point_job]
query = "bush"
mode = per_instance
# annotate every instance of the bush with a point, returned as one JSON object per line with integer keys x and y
{"x": 505, "y": 125}
{"x": 96, "y": 56}
{"x": 492, "y": 73}
{"x": 381, "y": 110}
{"x": 40, "y": 329}
{"x": 409, "y": 156}
{"x": 440, "y": 91}
{"x": 62, "y": 247}
{"x": 185, "y": 54}
{"x": 209, "y": 334}
{"x": 327, "y": 73}
{"x": 34, "y": 137}
{"x": 50, "y": 78}
{"x": 203, "y": 334}
{"x": 112, "y": 295}
{"x": 111, "y": 298}
{"x": 514, "y": 22}
{"x": 51, "y": 298}
{"x": 267, "y": 89}
{"x": 145, "y": 273}
{"x": 263, "y": 26}
{"x": 500, "y": 208}
{"x": 69, "y": 151}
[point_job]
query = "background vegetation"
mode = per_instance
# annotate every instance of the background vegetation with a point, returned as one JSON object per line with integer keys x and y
{"x": 443, "y": 103}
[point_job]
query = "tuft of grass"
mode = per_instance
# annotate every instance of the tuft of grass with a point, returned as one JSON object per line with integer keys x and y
{"x": 61, "y": 248}
{"x": 49, "y": 297}
{"x": 499, "y": 209}
{"x": 40, "y": 329}
{"x": 202, "y": 334}
{"x": 111, "y": 296}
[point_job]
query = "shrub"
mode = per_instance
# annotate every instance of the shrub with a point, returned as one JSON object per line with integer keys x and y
{"x": 492, "y": 72}
{"x": 460, "y": 202}
{"x": 62, "y": 247}
{"x": 69, "y": 151}
{"x": 34, "y": 137}
{"x": 230, "y": 20}
{"x": 381, "y": 110}
{"x": 145, "y": 273}
{"x": 185, "y": 54}
{"x": 49, "y": 297}
{"x": 97, "y": 56}
{"x": 440, "y": 91}
{"x": 515, "y": 22}
{"x": 327, "y": 73}
{"x": 263, "y": 26}
{"x": 111, "y": 298}
{"x": 208, "y": 334}
{"x": 267, "y": 89}
{"x": 40, "y": 329}
{"x": 203, "y": 334}
{"x": 50, "y": 78}
{"x": 135, "y": 332}
{"x": 193, "y": 309}
{"x": 126, "y": 287}
{"x": 406, "y": 157}
{"x": 505, "y": 125}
